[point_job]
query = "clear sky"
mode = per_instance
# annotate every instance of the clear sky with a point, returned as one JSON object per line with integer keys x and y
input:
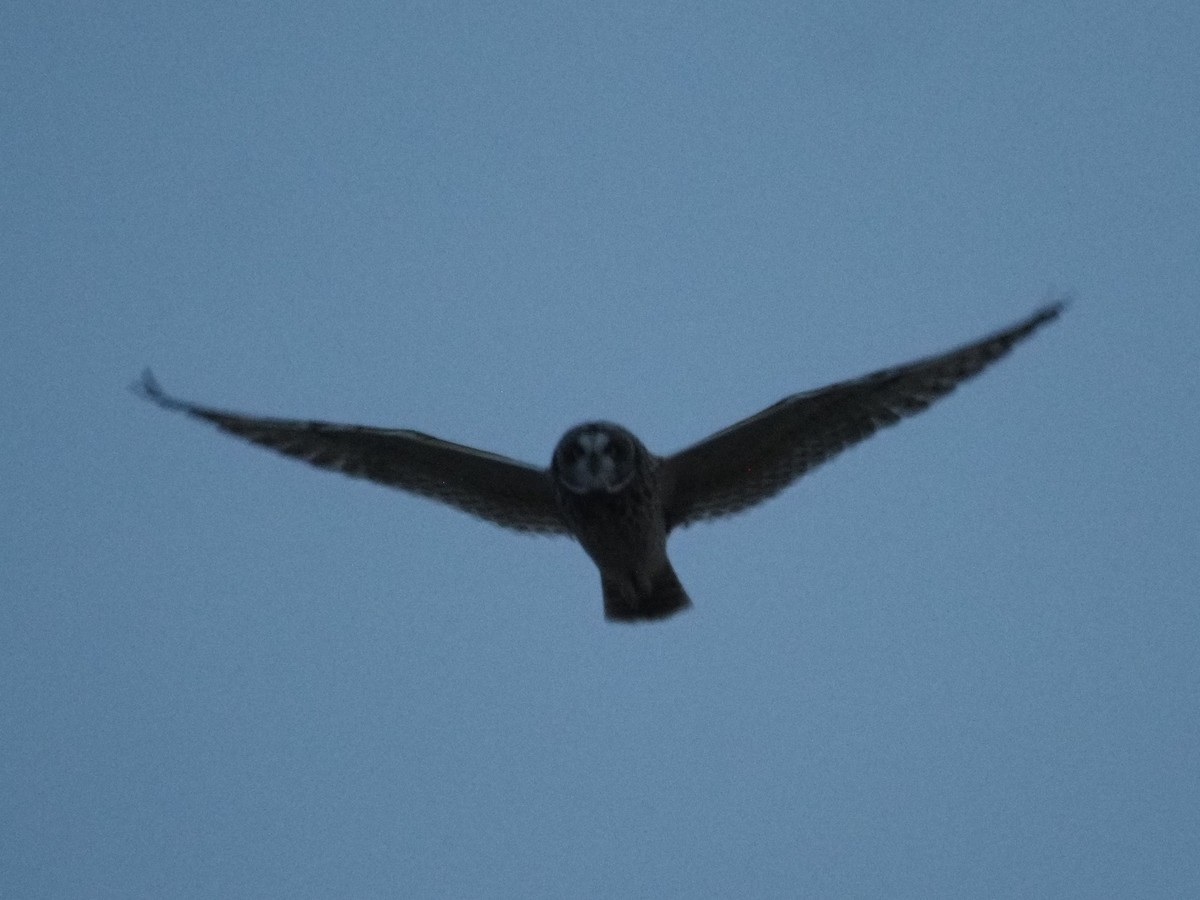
{"x": 962, "y": 660}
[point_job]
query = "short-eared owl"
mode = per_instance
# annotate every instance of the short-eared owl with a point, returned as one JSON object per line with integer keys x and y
{"x": 605, "y": 489}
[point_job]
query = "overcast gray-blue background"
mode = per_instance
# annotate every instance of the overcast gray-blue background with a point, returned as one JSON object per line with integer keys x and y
{"x": 961, "y": 660}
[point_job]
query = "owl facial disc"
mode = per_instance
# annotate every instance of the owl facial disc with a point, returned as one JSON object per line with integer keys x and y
{"x": 594, "y": 457}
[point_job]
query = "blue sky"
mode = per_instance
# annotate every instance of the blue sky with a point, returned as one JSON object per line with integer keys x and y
{"x": 963, "y": 659}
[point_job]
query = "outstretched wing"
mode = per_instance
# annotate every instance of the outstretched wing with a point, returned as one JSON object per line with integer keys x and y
{"x": 501, "y": 490}
{"x": 760, "y": 456}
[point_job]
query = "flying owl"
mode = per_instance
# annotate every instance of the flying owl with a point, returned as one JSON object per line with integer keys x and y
{"x": 604, "y": 488}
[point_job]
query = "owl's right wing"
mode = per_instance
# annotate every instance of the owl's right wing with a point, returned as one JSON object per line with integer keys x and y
{"x": 502, "y": 490}
{"x": 760, "y": 456}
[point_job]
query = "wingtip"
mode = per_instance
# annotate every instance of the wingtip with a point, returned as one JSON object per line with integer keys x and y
{"x": 148, "y": 388}
{"x": 146, "y": 385}
{"x": 1047, "y": 313}
{"x": 1054, "y": 308}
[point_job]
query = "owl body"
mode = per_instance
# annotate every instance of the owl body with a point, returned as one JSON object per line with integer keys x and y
{"x": 609, "y": 490}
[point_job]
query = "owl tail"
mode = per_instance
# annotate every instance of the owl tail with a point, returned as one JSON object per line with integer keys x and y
{"x": 623, "y": 602}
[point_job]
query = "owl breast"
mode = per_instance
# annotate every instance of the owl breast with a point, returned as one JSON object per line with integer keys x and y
{"x": 622, "y": 531}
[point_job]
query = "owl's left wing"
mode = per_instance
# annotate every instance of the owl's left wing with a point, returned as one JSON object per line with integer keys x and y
{"x": 502, "y": 490}
{"x": 760, "y": 456}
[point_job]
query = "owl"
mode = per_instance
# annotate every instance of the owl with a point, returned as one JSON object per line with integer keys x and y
{"x": 604, "y": 488}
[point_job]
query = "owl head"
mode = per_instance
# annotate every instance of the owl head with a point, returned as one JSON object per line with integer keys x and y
{"x": 596, "y": 456}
